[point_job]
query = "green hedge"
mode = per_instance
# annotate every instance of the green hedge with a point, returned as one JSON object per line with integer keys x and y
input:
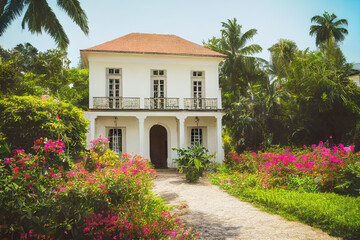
{"x": 23, "y": 119}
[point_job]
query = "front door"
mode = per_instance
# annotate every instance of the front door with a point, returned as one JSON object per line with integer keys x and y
{"x": 158, "y": 146}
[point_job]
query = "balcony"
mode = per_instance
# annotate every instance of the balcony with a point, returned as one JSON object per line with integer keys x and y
{"x": 200, "y": 103}
{"x": 131, "y": 103}
{"x": 116, "y": 103}
{"x": 162, "y": 103}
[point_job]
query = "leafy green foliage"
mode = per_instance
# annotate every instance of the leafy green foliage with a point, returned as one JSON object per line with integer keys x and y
{"x": 338, "y": 215}
{"x": 299, "y": 97}
{"x": 25, "y": 119}
{"x": 26, "y": 71}
{"x": 237, "y": 70}
{"x": 192, "y": 160}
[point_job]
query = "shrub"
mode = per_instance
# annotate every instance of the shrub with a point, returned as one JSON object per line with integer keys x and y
{"x": 41, "y": 199}
{"x": 23, "y": 119}
{"x": 309, "y": 169}
{"x": 4, "y": 147}
{"x": 193, "y": 161}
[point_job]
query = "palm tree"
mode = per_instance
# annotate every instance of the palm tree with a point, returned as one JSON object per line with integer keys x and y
{"x": 282, "y": 54}
{"x": 328, "y": 24}
{"x": 40, "y": 17}
{"x": 233, "y": 44}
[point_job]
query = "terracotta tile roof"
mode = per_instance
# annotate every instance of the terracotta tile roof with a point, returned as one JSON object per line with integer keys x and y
{"x": 143, "y": 43}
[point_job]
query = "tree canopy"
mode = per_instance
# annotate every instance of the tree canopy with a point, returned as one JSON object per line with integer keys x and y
{"x": 26, "y": 71}
{"x": 298, "y": 97}
{"x": 328, "y": 26}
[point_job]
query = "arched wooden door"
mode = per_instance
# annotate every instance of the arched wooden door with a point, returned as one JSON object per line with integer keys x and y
{"x": 158, "y": 146}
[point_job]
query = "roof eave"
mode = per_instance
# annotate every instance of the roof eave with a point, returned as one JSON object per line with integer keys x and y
{"x": 155, "y": 53}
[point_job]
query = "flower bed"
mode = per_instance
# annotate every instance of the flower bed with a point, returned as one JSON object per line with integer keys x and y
{"x": 315, "y": 168}
{"x": 306, "y": 183}
{"x": 46, "y": 196}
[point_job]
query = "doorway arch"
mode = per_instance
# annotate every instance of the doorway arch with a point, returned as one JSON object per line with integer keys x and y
{"x": 158, "y": 146}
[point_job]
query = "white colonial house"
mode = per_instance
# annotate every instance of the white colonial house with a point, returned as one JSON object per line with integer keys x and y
{"x": 150, "y": 93}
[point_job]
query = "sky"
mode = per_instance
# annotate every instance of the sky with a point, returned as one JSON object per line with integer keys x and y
{"x": 196, "y": 21}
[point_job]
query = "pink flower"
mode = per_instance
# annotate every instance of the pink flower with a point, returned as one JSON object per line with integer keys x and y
{"x": 62, "y": 189}
{"x": 254, "y": 153}
{"x": 27, "y": 175}
{"x": 7, "y": 160}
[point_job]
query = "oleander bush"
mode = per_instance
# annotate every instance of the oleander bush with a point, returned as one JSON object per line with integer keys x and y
{"x": 314, "y": 168}
{"x": 317, "y": 184}
{"x": 45, "y": 195}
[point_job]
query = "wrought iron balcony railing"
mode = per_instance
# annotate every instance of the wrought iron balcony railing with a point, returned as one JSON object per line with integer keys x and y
{"x": 200, "y": 103}
{"x": 116, "y": 103}
{"x": 162, "y": 103}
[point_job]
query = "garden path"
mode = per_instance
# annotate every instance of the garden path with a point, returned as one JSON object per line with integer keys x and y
{"x": 217, "y": 215}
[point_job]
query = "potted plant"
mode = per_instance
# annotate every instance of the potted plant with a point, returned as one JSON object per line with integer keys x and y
{"x": 192, "y": 161}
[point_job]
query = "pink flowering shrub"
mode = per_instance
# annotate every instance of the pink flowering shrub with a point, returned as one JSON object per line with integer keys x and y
{"x": 318, "y": 167}
{"x": 100, "y": 155}
{"x": 129, "y": 226}
{"x": 99, "y": 145}
{"x": 43, "y": 198}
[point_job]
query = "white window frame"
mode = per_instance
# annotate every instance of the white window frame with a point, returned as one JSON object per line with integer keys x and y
{"x": 114, "y": 76}
{"x": 204, "y": 134}
{"x": 197, "y": 78}
{"x": 158, "y": 77}
{"x": 123, "y": 136}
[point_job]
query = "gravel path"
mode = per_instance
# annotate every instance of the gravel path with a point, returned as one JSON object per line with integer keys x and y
{"x": 217, "y": 215}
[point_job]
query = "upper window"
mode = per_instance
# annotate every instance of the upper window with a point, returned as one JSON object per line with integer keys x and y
{"x": 114, "y": 88}
{"x": 113, "y": 71}
{"x": 157, "y": 72}
{"x": 197, "y": 84}
{"x": 158, "y": 82}
{"x": 197, "y": 74}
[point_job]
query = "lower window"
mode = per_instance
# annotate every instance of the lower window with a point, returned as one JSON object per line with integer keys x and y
{"x": 196, "y": 136}
{"x": 115, "y": 136}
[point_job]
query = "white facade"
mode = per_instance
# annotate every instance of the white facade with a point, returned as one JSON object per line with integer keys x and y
{"x": 183, "y": 99}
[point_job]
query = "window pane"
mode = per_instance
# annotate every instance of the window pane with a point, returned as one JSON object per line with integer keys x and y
{"x": 115, "y": 140}
{"x": 161, "y": 72}
{"x": 156, "y": 72}
{"x": 194, "y": 74}
{"x": 196, "y": 136}
{"x": 199, "y": 74}
{"x": 117, "y": 71}
{"x": 111, "y": 71}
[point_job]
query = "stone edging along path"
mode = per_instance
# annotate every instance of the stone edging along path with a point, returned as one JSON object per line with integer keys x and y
{"x": 217, "y": 215}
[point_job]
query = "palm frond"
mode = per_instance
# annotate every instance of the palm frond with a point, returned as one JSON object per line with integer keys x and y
{"x": 39, "y": 16}
{"x": 75, "y": 12}
{"x": 9, "y": 11}
{"x": 250, "y": 50}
